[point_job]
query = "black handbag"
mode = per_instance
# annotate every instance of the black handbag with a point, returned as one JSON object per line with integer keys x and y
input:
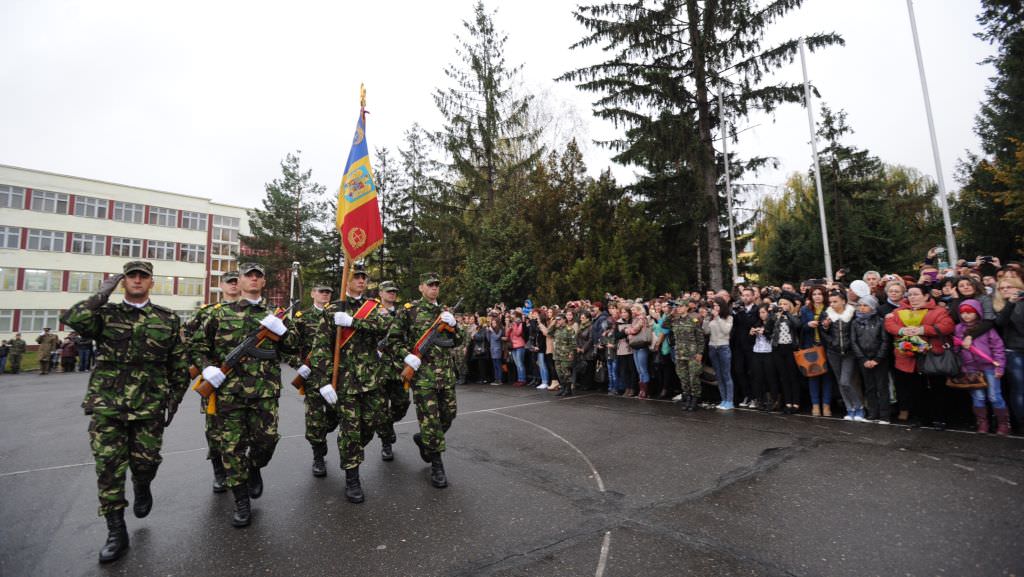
{"x": 945, "y": 364}
{"x": 601, "y": 373}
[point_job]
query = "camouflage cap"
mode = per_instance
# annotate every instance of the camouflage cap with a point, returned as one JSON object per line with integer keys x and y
{"x": 323, "y": 287}
{"x": 248, "y": 267}
{"x": 140, "y": 266}
{"x": 229, "y": 276}
{"x": 430, "y": 277}
{"x": 388, "y": 286}
{"x": 359, "y": 268}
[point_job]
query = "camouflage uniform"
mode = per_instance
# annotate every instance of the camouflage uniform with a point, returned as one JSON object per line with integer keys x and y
{"x": 433, "y": 388}
{"x": 48, "y": 343}
{"x": 689, "y": 338}
{"x": 321, "y": 417}
{"x": 565, "y": 348}
{"x": 192, "y": 327}
{"x": 17, "y": 351}
{"x": 389, "y": 378}
{"x": 360, "y": 407}
{"x": 245, "y": 425}
{"x": 141, "y": 369}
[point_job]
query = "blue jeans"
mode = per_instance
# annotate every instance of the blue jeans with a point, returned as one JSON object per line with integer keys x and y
{"x": 640, "y": 360}
{"x": 613, "y": 374}
{"x": 721, "y": 360}
{"x": 545, "y": 378}
{"x": 519, "y": 358}
{"x": 3, "y": 363}
{"x": 84, "y": 360}
{"x": 994, "y": 392}
{"x": 497, "y": 370}
{"x": 821, "y": 389}
{"x": 1015, "y": 374}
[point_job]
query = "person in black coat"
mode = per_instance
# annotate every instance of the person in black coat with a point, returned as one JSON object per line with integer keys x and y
{"x": 871, "y": 346}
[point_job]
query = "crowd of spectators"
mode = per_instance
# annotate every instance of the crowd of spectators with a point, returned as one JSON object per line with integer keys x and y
{"x": 941, "y": 348}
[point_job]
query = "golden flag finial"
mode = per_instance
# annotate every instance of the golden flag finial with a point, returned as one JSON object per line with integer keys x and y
{"x": 362, "y": 95}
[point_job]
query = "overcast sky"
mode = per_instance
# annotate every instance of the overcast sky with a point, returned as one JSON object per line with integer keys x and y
{"x": 205, "y": 98}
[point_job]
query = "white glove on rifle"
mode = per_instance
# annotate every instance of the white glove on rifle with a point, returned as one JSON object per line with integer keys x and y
{"x": 329, "y": 394}
{"x": 343, "y": 319}
{"x": 214, "y": 376}
{"x": 447, "y": 317}
{"x": 274, "y": 325}
{"x": 413, "y": 361}
{"x": 304, "y": 371}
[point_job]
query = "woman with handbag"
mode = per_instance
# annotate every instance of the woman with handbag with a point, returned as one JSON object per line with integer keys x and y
{"x": 918, "y": 327}
{"x": 983, "y": 354}
{"x": 811, "y": 317}
{"x": 718, "y": 325}
{"x": 640, "y": 338}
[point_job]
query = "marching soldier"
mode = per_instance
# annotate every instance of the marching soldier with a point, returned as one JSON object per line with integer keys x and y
{"x": 48, "y": 342}
{"x": 433, "y": 388}
{"x": 17, "y": 352}
{"x": 246, "y": 419}
{"x": 565, "y": 349}
{"x": 396, "y": 397}
{"x": 689, "y": 337}
{"x": 321, "y": 417}
{"x": 229, "y": 292}
{"x": 358, "y": 401}
{"x": 140, "y": 377}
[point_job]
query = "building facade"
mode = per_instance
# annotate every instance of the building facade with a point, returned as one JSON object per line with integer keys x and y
{"x": 60, "y": 236}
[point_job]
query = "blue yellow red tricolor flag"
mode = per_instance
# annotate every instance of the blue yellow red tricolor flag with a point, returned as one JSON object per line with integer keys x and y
{"x": 358, "y": 218}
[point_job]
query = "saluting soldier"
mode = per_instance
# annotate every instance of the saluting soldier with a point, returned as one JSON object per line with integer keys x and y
{"x": 18, "y": 347}
{"x": 396, "y": 397}
{"x": 321, "y": 417}
{"x": 689, "y": 337}
{"x": 246, "y": 421}
{"x": 48, "y": 342}
{"x": 140, "y": 377}
{"x": 433, "y": 382}
{"x": 229, "y": 293}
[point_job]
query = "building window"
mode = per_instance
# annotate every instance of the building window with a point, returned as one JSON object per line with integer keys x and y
{"x": 190, "y": 287}
{"x": 163, "y": 216}
{"x": 125, "y": 247}
{"x": 47, "y": 240}
{"x": 91, "y": 207}
{"x": 226, "y": 221}
{"x": 8, "y": 278}
{"x": 128, "y": 212}
{"x": 162, "y": 285}
{"x": 223, "y": 249}
{"x": 84, "y": 282}
{"x": 12, "y": 196}
{"x": 82, "y": 243}
{"x": 10, "y": 237}
{"x": 35, "y": 320}
{"x": 6, "y": 321}
{"x": 193, "y": 220}
{"x": 45, "y": 281}
{"x": 160, "y": 250}
{"x": 46, "y": 201}
{"x": 193, "y": 253}
{"x": 223, "y": 265}
{"x": 225, "y": 234}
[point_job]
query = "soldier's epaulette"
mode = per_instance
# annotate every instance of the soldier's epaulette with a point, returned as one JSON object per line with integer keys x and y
{"x": 408, "y": 305}
{"x": 298, "y": 314}
{"x": 329, "y": 307}
{"x": 217, "y": 306}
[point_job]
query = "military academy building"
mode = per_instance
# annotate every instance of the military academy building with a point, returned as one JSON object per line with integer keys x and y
{"x": 61, "y": 235}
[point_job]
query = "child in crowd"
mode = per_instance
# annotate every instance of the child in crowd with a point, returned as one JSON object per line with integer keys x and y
{"x": 985, "y": 354}
{"x": 870, "y": 348}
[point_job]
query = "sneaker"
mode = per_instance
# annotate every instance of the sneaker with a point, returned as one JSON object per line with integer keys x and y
{"x": 678, "y": 397}
{"x": 848, "y": 417}
{"x": 725, "y": 406}
{"x": 883, "y": 422}
{"x": 860, "y": 419}
{"x": 542, "y": 386}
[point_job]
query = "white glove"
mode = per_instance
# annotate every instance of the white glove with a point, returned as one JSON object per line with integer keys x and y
{"x": 304, "y": 371}
{"x": 343, "y": 319}
{"x": 413, "y": 361}
{"x": 329, "y": 394}
{"x": 447, "y": 317}
{"x": 274, "y": 325}
{"x": 214, "y": 376}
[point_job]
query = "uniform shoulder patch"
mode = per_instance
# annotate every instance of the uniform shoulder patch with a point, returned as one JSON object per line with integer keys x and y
{"x": 217, "y": 306}
{"x": 298, "y": 314}
{"x": 408, "y": 305}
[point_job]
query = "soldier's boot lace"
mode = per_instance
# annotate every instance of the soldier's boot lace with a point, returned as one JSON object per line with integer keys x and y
{"x": 255, "y": 482}
{"x": 418, "y": 439}
{"x": 143, "y": 502}
{"x": 386, "y": 453}
{"x": 243, "y": 507}
{"x": 437, "y": 476}
{"x": 353, "y": 489}
{"x": 219, "y": 475}
{"x": 117, "y": 537}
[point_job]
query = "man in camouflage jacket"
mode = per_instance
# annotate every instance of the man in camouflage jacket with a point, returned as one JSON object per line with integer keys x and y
{"x": 389, "y": 377}
{"x": 48, "y": 342}
{"x": 565, "y": 352}
{"x": 689, "y": 337}
{"x": 433, "y": 388}
{"x": 140, "y": 377}
{"x": 357, "y": 398}
{"x": 321, "y": 418}
{"x": 246, "y": 399}
{"x": 18, "y": 347}
{"x": 228, "y": 293}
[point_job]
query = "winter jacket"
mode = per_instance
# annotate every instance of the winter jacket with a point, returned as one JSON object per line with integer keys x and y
{"x": 807, "y": 333}
{"x": 494, "y": 342}
{"x": 869, "y": 339}
{"x": 987, "y": 343}
{"x": 937, "y": 324}
{"x": 786, "y": 318}
{"x": 516, "y": 335}
{"x": 836, "y": 333}
{"x": 1010, "y": 322}
{"x": 743, "y": 321}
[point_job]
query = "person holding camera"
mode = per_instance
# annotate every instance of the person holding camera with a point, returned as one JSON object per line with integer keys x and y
{"x": 718, "y": 326}
{"x": 785, "y": 331}
{"x": 811, "y": 318}
{"x": 1010, "y": 324}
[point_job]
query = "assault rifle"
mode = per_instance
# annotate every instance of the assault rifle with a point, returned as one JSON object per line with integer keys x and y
{"x": 434, "y": 336}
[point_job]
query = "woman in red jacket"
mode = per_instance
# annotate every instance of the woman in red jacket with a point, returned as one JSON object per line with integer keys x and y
{"x": 918, "y": 326}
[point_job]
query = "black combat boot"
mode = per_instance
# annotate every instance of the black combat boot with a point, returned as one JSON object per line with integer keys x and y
{"x": 568, "y": 390}
{"x": 386, "y": 454}
{"x": 255, "y": 482}
{"x": 117, "y": 537}
{"x": 219, "y": 476}
{"x": 353, "y": 490}
{"x": 437, "y": 476}
{"x": 143, "y": 502}
{"x": 418, "y": 439}
{"x": 243, "y": 508}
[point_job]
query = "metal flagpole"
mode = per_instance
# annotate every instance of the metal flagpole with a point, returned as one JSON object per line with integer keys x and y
{"x": 943, "y": 199}
{"x": 728, "y": 184}
{"x": 817, "y": 168}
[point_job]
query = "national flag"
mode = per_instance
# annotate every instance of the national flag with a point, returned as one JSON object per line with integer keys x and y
{"x": 358, "y": 217}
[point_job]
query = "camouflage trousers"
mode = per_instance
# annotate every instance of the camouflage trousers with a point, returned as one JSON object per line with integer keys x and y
{"x": 212, "y": 448}
{"x": 118, "y": 444}
{"x": 246, "y": 431}
{"x": 359, "y": 415}
{"x": 396, "y": 405}
{"x": 321, "y": 419}
{"x": 564, "y": 370}
{"x": 435, "y": 409}
{"x": 14, "y": 361}
{"x": 688, "y": 371}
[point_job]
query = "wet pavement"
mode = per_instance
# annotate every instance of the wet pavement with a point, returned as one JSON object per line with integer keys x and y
{"x": 538, "y": 486}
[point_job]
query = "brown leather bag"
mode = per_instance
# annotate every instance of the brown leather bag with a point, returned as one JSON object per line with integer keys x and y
{"x": 811, "y": 362}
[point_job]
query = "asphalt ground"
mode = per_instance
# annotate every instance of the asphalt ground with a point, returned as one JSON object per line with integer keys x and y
{"x": 538, "y": 486}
